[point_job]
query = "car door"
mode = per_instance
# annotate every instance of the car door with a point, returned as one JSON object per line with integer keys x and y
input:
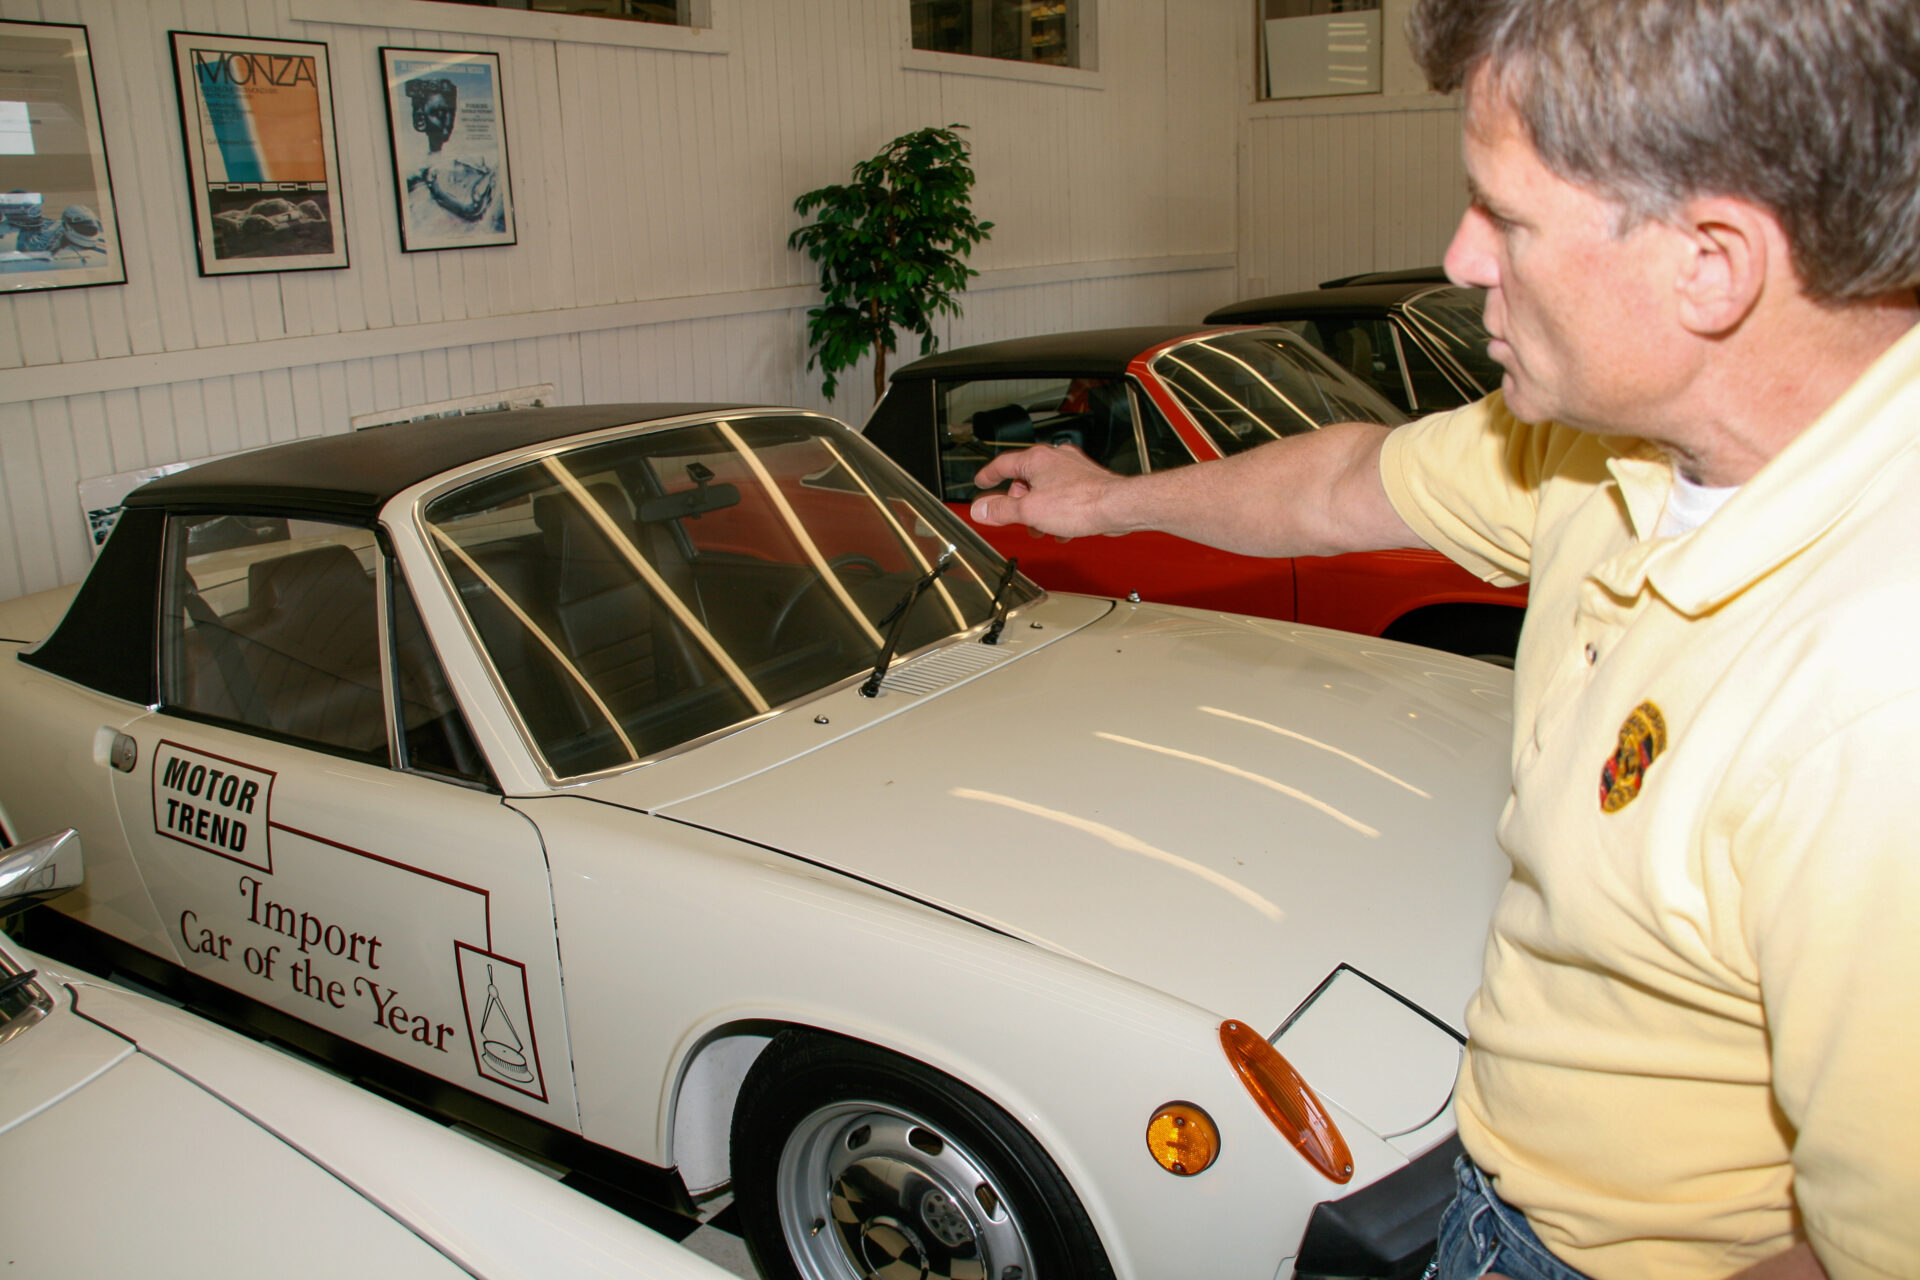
{"x": 312, "y": 848}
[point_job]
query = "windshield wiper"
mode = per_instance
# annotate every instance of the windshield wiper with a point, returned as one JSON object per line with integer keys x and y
{"x": 998, "y": 605}
{"x": 898, "y": 616}
{"x": 12, "y": 984}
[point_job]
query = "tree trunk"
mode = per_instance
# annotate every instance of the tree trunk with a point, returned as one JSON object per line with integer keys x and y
{"x": 880, "y": 348}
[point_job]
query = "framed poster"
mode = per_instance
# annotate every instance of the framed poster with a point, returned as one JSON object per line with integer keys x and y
{"x": 449, "y": 139}
{"x": 257, "y": 116}
{"x": 57, "y": 223}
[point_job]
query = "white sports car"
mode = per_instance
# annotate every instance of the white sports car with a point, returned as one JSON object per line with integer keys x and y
{"x": 683, "y": 793}
{"x": 139, "y": 1140}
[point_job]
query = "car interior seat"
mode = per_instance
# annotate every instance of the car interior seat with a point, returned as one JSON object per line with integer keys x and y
{"x": 310, "y": 641}
{"x": 1008, "y": 426}
{"x": 1354, "y": 350}
{"x": 604, "y": 610}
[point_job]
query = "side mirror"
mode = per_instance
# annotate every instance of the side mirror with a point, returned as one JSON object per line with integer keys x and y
{"x": 41, "y": 869}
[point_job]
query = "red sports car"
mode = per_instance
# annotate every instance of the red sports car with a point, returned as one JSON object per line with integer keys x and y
{"x": 1144, "y": 399}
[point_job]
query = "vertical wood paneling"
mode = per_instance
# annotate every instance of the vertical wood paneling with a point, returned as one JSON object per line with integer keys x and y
{"x": 649, "y": 174}
{"x": 1328, "y": 195}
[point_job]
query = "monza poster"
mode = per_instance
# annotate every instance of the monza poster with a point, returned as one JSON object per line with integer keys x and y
{"x": 447, "y": 128}
{"x": 257, "y": 117}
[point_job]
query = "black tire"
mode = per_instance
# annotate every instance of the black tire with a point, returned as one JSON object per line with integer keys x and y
{"x": 847, "y": 1158}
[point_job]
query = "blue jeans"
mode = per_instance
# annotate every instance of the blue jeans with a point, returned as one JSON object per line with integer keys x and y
{"x": 1480, "y": 1232}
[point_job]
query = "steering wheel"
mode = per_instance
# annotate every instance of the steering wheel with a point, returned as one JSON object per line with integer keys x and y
{"x": 815, "y": 578}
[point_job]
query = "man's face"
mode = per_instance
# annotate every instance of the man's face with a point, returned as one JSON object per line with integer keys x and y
{"x": 1580, "y": 322}
{"x": 433, "y": 116}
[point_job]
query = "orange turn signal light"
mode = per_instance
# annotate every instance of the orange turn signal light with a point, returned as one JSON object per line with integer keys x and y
{"x": 1287, "y": 1101}
{"x": 1183, "y": 1138}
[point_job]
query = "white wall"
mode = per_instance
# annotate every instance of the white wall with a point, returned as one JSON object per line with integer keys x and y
{"x": 655, "y": 189}
{"x": 1331, "y": 186}
{"x": 654, "y": 181}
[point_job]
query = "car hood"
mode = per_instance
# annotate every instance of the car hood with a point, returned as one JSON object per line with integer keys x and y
{"x": 1224, "y": 808}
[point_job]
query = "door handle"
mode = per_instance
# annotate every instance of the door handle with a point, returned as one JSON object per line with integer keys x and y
{"x": 110, "y": 746}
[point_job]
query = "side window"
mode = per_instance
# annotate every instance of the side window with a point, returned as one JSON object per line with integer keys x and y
{"x": 1364, "y": 347}
{"x": 1431, "y": 390}
{"x": 273, "y": 623}
{"x": 1165, "y": 448}
{"x": 434, "y": 737}
{"x": 983, "y": 417}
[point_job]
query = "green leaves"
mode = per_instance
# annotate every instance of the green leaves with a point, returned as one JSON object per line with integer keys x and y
{"x": 891, "y": 245}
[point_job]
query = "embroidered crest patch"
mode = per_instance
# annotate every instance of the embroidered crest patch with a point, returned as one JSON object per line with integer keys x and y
{"x": 1642, "y": 738}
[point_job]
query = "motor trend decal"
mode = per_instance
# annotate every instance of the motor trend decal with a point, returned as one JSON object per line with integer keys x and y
{"x": 334, "y": 930}
{"x": 212, "y": 803}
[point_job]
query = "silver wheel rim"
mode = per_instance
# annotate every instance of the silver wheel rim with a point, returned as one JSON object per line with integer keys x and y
{"x": 871, "y": 1192}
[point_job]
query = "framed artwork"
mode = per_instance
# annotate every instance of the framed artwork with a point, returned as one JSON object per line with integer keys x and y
{"x": 449, "y": 138}
{"x": 57, "y": 222}
{"x": 257, "y": 116}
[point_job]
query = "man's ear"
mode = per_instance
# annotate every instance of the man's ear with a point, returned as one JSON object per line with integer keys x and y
{"x": 1728, "y": 248}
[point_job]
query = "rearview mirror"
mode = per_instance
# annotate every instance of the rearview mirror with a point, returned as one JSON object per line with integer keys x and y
{"x": 41, "y": 869}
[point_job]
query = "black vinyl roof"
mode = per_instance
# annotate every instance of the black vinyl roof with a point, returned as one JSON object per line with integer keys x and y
{"x": 1343, "y": 300}
{"x": 1089, "y": 353}
{"x": 1433, "y": 275}
{"x": 352, "y": 476}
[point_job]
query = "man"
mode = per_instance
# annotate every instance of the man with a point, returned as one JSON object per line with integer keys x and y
{"x": 1696, "y": 1048}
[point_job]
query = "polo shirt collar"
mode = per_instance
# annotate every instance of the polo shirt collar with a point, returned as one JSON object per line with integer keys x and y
{"x": 1784, "y": 508}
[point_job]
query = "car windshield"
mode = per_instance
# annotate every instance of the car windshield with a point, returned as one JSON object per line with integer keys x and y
{"x": 1453, "y": 318}
{"x": 1250, "y": 386}
{"x": 639, "y": 593}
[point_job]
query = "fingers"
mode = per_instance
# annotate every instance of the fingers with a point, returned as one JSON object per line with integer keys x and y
{"x": 1052, "y": 491}
{"x": 1003, "y": 468}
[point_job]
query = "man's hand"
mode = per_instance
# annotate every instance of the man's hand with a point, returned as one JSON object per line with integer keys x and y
{"x": 1051, "y": 490}
{"x": 1314, "y": 494}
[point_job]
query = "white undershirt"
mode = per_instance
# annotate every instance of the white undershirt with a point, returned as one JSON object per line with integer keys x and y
{"x": 1689, "y": 505}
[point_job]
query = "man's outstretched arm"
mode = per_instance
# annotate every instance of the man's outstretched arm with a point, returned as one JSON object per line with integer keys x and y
{"x": 1314, "y": 494}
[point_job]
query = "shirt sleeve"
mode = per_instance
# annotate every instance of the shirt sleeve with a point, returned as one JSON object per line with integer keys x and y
{"x": 1468, "y": 481}
{"x": 1832, "y": 890}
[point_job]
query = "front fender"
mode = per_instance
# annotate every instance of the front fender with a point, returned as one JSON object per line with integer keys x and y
{"x": 672, "y": 935}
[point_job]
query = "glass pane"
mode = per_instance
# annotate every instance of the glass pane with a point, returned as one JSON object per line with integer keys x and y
{"x": 1252, "y": 386}
{"x": 640, "y": 593}
{"x": 272, "y": 623}
{"x": 1314, "y": 48}
{"x": 986, "y": 416}
{"x": 1041, "y": 31}
{"x": 434, "y": 737}
{"x": 669, "y": 11}
{"x": 1454, "y": 319}
{"x": 1363, "y": 346}
{"x": 1429, "y": 388}
{"x": 1165, "y": 448}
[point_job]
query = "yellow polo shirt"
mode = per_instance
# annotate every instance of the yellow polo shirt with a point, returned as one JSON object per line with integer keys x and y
{"x": 1698, "y": 1034}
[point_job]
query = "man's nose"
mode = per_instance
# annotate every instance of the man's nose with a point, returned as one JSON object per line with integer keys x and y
{"x": 1470, "y": 260}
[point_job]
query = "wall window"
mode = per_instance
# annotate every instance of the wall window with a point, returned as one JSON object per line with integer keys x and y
{"x": 674, "y": 12}
{"x": 1044, "y": 31}
{"x": 1315, "y": 48}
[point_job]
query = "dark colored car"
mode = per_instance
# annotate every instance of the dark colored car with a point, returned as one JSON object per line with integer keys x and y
{"x": 1147, "y": 399}
{"x": 1409, "y": 335}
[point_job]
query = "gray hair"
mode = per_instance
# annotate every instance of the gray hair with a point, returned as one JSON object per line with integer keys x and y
{"x": 1808, "y": 108}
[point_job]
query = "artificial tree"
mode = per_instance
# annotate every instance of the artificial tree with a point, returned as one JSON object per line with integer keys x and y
{"x": 891, "y": 245}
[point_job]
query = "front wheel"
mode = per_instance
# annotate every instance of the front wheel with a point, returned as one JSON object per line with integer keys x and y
{"x": 852, "y": 1163}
